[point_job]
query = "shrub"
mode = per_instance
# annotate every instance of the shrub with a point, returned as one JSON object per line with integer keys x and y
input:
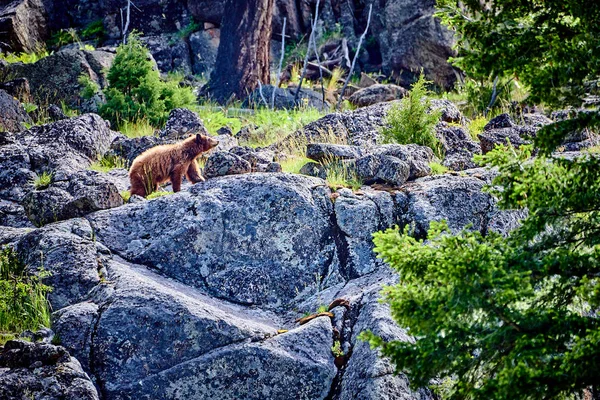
{"x": 23, "y": 298}
{"x": 94, "y": 31}
{"x": 412, "y": 121}
{"x": 89, "y": 87}
{"x": 136, "y": 91}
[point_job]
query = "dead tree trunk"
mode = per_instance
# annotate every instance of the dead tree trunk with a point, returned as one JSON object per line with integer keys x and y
{"x": 243, "y": 56}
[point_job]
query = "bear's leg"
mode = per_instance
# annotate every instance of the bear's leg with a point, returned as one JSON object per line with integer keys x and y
{"x": 193, "y": 173}
{"x": 176, "y": 177}
{"x": 137, "y": 186}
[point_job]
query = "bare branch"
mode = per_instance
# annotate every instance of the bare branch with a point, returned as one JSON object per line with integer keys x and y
{"x": 280, "y": 63}
{"x": 310, "y": 39}
{"x": 362, "y": 37}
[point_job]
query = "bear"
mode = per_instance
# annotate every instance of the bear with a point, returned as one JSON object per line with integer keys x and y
{"x": 168, "y": 162}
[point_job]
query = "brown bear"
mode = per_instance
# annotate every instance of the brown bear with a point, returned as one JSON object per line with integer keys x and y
{"x": 168, "y": 162}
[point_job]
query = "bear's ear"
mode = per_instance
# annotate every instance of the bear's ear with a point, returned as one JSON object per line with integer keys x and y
{"x": 198, "y": 138}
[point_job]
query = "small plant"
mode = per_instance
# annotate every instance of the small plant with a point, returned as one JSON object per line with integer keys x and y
{"x": 107, "y": 163}
{"x": 60, "y": 38}
{"x": 322, "y": 308}
{"x": 89, "y": 87}
{"x": 160, "y": 193}
{"x": 190, "y": 28}
{"x": 68, "y": 111}
{"x": 437, "y": 168}
{"x": 25, "y": 58}
{"x": 125, "y": 195}
{"x": 42, "y": 180}
{"x": 94, "y": 31}
{"x": 413, "y": 120}
{"x": 336, "y": 349}
{"x": 29, "y": 107}
{"x": 476, "y": 127}
{"x": 23, "y": 297}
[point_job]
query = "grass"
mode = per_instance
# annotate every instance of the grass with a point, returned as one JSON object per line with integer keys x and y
{"x": 23, "y": 297}
{"x": 322, "y": 308}
{"x": 160, "y": 193}
{"x": 125, "y": 195}
{"x": 338, "y": 175}
{"x": 437, "y": 168}
{"x": 294, "y": 163}
{"x": 42, "y": 180}
{"x": 137, "y": 129}
{"x": 476, "y": 126}
{"x": 336, "y": 349}
{"x": 25, "y": 58}
{"x": 107, "y": 163}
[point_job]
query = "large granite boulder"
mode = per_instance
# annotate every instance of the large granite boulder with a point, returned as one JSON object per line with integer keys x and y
{"x": 377, "y": 93}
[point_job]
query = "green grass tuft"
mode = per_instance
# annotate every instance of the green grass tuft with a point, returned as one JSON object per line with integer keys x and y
{"x": 107, "y": 163}
{"x": 158, "y": 194}
{"x": 437, "y": 168}
{"x": 476, "y": 127}
{"x": 126, "y": 195}
{"x": 23, "y": 297}
{"x": 43, "y": 180}
{"x": 294, "y": 163}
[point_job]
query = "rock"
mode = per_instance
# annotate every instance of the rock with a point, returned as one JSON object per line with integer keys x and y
{"x": 223, "y": 163}
{"x": 84, "y": 192}
{"x": 55, "y": 113}
{"x": 450, "y": 113}
{"x": 247, "y": 236}
{"x": 382, "y": 169}
{"x": 224, "y": 130}
{"x": 130, "y": 148}
{"x": 69, "y": 254}
{"x": 23, "y": 26}
{"x": 366, "y": 81}
{"x": 323, "y": 152}
{"x": 16, "y": 176}
{"x": 358, "y": 128}
{"x": 204, "y": 46}
{"x": 181, "y": 124}
{"x": 55, "y": 78}
{"x": 502, "y": 129}
{"x": 416, "y": 156}
{"x": 17, "y": 88}
{"x": 284, "y": 98}
{"x": 226, "y": 143}
{"x": 12, "y": 114}
{"x": 41, "y": 370}
{"x": 377, "y": 93}
{"x": 66, "y": 146}
{"x": 170, "y": 54}
{"x": 458, "y": 146}
{"x": 13, "y": 214}
{"x": 314, "y": 169}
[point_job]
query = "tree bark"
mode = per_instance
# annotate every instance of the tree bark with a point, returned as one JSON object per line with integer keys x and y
{"x": 243, "y": 55}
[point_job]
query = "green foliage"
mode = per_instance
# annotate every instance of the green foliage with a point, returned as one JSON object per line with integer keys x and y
{"x": 107, "y": 163}
{"x": 336, "y": 349}
{"x": 29, "y": 107}
{"x": 437, "y": 168}
{"x": 23, "y": 297}
{"x": 476, "y": 126}
{"x": 338, "y": 175}
{"x": 42, "y": 180}
{"x": 190, "y": 28}
{"x": 158, "y": 194}
{"x": 512, "y": 317}
{"x": 479, "y": 94}
{"x": 137, "y": 128}
{"x": 94, "y": 31}
{"x": 412, "y": 121}
{"x": 293, "y": 164}
{"x": 550, "y": 46}
{"x": 25, "y": 58}
{"x": 322, "y": 308}
{"x": 60, "y": 38}
{"x": 125, "y": 195}
{"x": 89, "y": 87}
{"x": 136, "y": 91}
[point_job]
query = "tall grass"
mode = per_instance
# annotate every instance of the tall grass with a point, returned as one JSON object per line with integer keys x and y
{"x": 137, "y": 129}
{"x": 107, "y": 163}
{"x": 23, "y": 297}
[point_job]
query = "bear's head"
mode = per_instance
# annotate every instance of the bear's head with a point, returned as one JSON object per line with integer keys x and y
{"x": 205, "y": 142}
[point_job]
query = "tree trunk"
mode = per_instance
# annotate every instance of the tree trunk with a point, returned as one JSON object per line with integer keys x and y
{"x": 243, "y": 56}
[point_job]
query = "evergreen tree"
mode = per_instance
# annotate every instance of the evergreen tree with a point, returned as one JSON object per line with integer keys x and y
{"x": 513, "y": 317}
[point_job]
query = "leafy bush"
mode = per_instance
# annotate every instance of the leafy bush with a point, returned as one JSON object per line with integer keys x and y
{"x": 412, "y": 121}
{"x": 89, "y": 87}
{"x": 23, "y": 298}
{"x": 136, "y": 91}
{"x": 94, "y": 31}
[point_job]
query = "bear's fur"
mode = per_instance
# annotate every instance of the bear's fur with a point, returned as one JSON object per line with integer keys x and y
{"x": 168, "y": 162}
